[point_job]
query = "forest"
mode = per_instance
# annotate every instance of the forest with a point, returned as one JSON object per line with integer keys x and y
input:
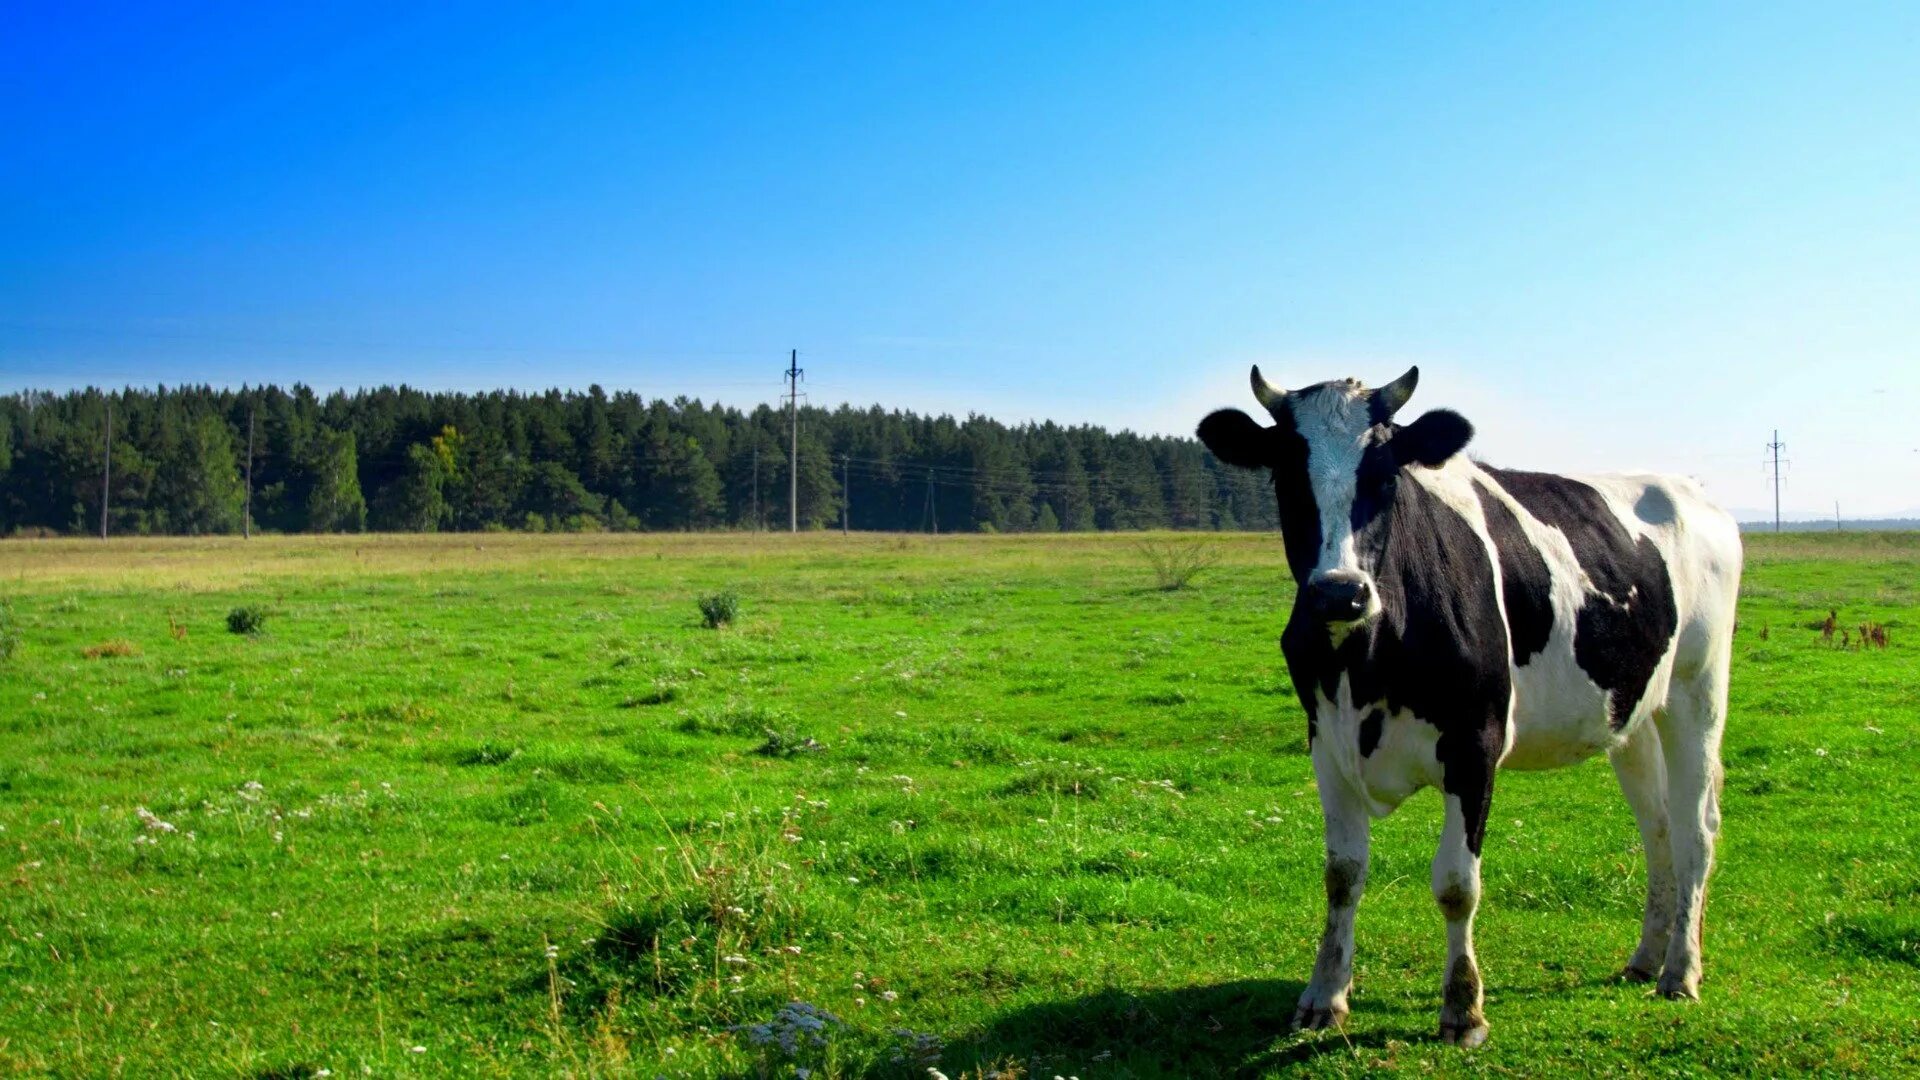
{"x": 176, "y": 461}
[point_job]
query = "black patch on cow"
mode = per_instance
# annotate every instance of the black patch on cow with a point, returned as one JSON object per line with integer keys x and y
{"x": 1344, "y": 877}
{"x": 1627, "y": 622}
{"x": 1370, "y": 727}
{"x": 1438, "y": 649}
{"x": 1462, "y": 992}
{"x": 1526, "y": 585}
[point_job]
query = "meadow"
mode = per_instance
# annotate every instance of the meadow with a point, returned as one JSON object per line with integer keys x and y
{"x": 504, "y": 805}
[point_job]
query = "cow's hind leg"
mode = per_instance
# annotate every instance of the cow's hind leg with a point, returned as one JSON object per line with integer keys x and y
{"x": 1324, "y": 1002}
{"x": 1690, "y": 729}
{"x": 1643, "y": 779}
{"x": 1456, "y": 888}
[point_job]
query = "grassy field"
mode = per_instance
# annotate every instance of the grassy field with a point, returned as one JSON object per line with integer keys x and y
{"x": 502, "y": 805}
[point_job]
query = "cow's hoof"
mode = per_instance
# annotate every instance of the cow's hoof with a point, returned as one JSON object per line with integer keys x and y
{"x": 1316, "y": 1015}
{"x": 1465, "y": 1034}
{"x": 1676, "y": 987}
{"x": 1631, "y": 974}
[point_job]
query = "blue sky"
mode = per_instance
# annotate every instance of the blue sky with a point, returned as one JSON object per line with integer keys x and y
{"x": 1616, "y": 236}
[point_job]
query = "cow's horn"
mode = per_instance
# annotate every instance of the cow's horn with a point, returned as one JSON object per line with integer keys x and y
{"x": 1271, "y": 397}
{"x": 1389, "y": 398}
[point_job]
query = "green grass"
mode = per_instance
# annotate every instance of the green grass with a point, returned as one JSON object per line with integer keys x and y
{"x": 507, "y": 800}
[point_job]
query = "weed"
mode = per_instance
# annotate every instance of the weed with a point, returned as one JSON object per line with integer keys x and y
{"x": 719, "y": 609}
{"x": 664, "y": 692}
{"x": 735, "y": 718}
{"x": 783, "y": 744}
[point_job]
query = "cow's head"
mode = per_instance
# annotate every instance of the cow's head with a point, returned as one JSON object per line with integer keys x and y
{"x": 1337, "y": 459}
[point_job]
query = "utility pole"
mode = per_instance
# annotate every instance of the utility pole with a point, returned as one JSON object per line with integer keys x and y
{"x": 106, "y": 472}
{"x": 846, "y": 494}
{"x": 246, "y": 519}
{"x": 1775, "y": 447}
{"x": 933, "y": 512}
{"x": 756, "y": 483}
{"x": 793, "y": 458}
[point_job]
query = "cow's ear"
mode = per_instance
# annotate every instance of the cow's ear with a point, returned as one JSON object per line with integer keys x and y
{"x": 1432, "y": 439}
{"x": 1237, "y": 439}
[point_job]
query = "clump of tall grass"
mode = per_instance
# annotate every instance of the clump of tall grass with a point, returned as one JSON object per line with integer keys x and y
{"x": 1177, "y": 563}
{"x": 10, "y": 634}
{"x": 715, "y": 905}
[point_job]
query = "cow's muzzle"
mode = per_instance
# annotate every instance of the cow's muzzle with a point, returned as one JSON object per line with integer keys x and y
{"x": 1339, "y": 596}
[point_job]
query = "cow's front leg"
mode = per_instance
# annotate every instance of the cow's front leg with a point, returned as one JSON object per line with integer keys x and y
{"x": 1456, "y": 887}
{"x": 1324, "y": 1002}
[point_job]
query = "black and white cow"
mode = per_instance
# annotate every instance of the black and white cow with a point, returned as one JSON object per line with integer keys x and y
{"x": 1451, "y": 619}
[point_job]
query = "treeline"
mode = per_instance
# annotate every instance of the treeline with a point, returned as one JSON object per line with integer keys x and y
{"x": 398, "y": 459}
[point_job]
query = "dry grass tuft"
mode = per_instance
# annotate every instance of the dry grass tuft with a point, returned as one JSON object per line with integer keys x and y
{"x": 107, "y": 649}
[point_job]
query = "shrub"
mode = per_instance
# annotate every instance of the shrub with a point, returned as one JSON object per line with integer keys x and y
{"x": 1176, "y": 563}
{"x": 719, "y": 609}
{"x": 9, "y": 631}
{"x": 246, "y": 620}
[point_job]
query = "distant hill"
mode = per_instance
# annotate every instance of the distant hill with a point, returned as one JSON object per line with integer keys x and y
{"x": 1899, "y": 524}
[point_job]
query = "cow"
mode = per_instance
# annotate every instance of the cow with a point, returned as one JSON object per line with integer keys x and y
{"x": 1451, "y": 619}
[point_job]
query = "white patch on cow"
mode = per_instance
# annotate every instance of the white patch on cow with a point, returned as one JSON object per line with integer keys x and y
{"x": 1404, "y": 761}
{"x": 1334, "y": 421}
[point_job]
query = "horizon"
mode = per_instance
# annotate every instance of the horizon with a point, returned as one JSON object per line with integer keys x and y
{"x": 1614, "y": 239}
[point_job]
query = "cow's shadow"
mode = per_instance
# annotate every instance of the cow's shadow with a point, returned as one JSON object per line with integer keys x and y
{"x": 1224, "y": 1029}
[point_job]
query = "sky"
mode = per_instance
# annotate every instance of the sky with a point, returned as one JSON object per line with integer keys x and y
{"x": 1616, "y": 236}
